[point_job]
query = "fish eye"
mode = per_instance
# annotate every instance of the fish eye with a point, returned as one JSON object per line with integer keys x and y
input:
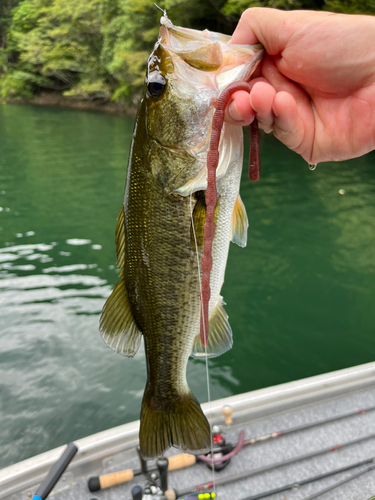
{"x": 156, "y": 85}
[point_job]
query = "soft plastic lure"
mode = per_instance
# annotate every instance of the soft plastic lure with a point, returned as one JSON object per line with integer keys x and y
{"x": 211, "y": 193}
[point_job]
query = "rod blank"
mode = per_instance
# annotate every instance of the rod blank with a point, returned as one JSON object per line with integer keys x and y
{"x": 312, "y": 479}
{"x": 339, "y": 483}
{"x": 275, "y": 465}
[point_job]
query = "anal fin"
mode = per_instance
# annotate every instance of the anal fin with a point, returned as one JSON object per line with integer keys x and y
{"x": 220, "y": 337}
{"x": 239, "y": 223}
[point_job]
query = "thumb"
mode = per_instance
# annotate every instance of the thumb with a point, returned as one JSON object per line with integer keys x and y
{"x": 271, "y": 27}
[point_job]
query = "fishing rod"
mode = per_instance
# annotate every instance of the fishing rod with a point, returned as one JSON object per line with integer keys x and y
{"x": 155, "y": 490}
{"x": 302, "y": 427}
{"x": 176, "y": 462}
{"x": 139, "y": 494}
{"x": 275, "y": 465}
{"x": 339, "y": 483}
{"x": 185, "y": 460}
{"x": 156, "y": 494}
{"x": 318, "y": 477}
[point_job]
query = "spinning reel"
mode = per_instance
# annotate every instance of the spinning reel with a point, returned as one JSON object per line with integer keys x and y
{"x": 156, "y": 488}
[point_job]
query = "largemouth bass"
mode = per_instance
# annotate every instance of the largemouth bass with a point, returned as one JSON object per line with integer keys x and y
{"x": 159, "y": 235}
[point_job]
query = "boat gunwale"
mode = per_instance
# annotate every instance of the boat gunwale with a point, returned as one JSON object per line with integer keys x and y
{"x": 252, "y": 406}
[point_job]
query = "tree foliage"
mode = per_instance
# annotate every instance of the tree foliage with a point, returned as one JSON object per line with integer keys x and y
{"x": 236, "y": 7}
{"x": 98, "y": 49}
{"x": 351, "y": 6}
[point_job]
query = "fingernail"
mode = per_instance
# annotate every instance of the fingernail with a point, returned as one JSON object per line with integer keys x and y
{"x": 234, "y": 113}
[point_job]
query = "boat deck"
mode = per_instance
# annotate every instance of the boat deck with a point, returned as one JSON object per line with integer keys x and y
{"x": 275, "y": 450}
{"x": 267, "y": 411}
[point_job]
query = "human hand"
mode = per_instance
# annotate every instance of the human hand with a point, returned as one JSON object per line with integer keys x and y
{"x": 315, "y": 88}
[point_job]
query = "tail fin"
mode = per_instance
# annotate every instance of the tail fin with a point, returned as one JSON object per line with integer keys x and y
{"x": 181, "y": 423}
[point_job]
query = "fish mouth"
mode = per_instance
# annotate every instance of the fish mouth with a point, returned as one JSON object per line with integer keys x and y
{"x": 211, "y": 52}
{"x": 219, "y": 64}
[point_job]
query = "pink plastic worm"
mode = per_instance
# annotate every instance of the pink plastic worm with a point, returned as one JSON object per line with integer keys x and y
{"x": 211, "y": 193}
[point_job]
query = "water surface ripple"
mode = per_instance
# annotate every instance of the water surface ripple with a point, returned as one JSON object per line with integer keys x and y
{"x": 300, "y": 296}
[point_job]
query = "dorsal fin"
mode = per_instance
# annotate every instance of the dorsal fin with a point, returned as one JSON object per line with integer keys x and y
{"x": 120, "y": 239}
{"x": 117, "y": 324}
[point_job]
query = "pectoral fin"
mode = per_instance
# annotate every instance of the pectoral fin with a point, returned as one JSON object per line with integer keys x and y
{"x": 220, "y": 337}
{"x": 198, "y": 220}
{"x": 239, "y": 223}
{"x": 117, "y": 325}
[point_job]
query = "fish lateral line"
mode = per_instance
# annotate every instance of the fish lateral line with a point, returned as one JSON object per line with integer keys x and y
{"x": 211, "y": 191}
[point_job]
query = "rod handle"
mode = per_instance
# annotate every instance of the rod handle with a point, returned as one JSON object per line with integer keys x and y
{"x": 171, "y": 495}
{"x": 181, "y": 461}
{"x": 115, "y": 478}
{"x": 56, "y": 472}
{"x": 97, "y": 483}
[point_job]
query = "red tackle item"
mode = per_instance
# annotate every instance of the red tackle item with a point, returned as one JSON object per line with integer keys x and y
{"x": 218, "y": 438}
{"x": 211, "y": 193}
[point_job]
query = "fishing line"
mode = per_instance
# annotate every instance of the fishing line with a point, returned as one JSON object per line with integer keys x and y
{"x": 163, "y": 10}
{"x": 205, "y": 347}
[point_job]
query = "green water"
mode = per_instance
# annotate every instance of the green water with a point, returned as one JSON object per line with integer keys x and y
{"x": 299, "y": 297}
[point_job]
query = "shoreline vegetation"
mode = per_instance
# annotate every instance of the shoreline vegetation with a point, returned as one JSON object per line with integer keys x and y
{"x": 92, "y": 54}
{"x": 57, "y": 100}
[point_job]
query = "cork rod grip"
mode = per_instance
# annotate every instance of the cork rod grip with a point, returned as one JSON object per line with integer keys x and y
{"x": 180, "y": 461}
{"x": 171, "y": 495}
{"x": 115, "y": 478}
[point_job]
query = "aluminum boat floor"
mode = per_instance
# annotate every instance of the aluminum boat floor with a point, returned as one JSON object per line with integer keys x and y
{"x": 288, "y": 446}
